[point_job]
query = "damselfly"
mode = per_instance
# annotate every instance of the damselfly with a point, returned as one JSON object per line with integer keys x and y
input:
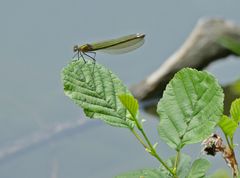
{"x": 114, "y": 46}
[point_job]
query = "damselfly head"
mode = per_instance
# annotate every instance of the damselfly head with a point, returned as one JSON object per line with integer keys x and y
{"x": 75, "y": 48}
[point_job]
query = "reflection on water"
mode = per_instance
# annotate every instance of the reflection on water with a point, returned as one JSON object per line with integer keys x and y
{"x": 37, "y": 140}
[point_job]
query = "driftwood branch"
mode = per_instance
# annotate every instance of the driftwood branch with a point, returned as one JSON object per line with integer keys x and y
{"x": 199, "y": 50}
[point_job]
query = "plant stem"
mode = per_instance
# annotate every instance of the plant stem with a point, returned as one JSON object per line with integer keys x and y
{"x": 229, "y": 144}
{"x": 139, "y": 138}
{"x": 154, "y": 153}
{"x": 232, "y": 144}
{"x": 176, "y": 161}
{"x": 229, "y": 156}
{"x": 150, "y": 147}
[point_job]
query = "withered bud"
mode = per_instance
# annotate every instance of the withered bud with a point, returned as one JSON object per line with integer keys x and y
{"x": 213, "y": 144}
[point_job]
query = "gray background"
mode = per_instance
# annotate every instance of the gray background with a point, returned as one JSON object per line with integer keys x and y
{"x": 36, "y": 40}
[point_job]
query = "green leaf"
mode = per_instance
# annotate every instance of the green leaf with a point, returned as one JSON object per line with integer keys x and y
{"x": 143, "y": 173}
{"x": 130, "y": 103}
{"x": 228, "y": 125}
{"x": 235, "y": 110}
{"x": 190, "y": 108}
{"x": 96, "y": 89}
{"x": 183, "y": 165}
{"x": 231, "y": 44}
{"x": 199, "y": 168}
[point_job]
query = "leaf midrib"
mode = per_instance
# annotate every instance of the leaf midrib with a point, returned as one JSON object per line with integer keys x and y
{"x": 193, "y": 116}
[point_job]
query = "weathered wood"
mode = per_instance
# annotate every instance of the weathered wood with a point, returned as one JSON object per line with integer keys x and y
{"x": 199, "y": 50}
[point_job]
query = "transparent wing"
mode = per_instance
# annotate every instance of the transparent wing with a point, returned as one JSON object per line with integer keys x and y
{"x": 124, "y": 47}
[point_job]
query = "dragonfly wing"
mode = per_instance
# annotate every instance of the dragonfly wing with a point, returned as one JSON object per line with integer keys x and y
{"x": 124, "y": 47}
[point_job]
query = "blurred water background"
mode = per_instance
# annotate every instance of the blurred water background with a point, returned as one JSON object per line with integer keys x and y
{"x": 42, "y": 133}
